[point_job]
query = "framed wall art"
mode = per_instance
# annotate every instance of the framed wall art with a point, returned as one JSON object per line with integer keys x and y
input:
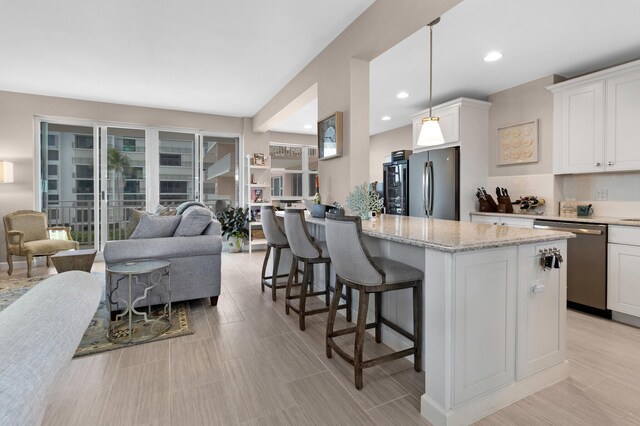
{"x": 330, "y": 137}
{"x": 518, "y": 143}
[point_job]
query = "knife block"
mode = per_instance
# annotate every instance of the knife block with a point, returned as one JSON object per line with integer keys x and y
{"x": 506, "y": 201}
{"x": 485, "y": 206}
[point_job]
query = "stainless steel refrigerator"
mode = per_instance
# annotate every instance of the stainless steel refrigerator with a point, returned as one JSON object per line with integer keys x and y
{"x": 434, "y": 184}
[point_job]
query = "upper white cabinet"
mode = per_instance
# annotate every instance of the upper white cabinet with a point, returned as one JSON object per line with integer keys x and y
{"x": 460, "y": 119}
{"x": 595, "y": 121}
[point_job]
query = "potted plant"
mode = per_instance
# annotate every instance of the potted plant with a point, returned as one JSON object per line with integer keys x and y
{"x": 234, "y": 222}
{"x": 364, "y": 201}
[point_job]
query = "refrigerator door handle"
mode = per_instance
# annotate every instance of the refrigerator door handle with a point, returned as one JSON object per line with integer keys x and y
{"x": 424, "y": 188}
{"x": 430, "y": 189}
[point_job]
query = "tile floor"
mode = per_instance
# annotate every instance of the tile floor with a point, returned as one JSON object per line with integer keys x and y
{"x": 248, "y": 363}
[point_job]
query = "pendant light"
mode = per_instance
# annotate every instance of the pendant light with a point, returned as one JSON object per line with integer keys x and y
{"x": 430, "y": 134}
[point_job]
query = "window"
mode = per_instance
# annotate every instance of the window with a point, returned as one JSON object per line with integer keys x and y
{"x": 132, "y": 186}
{"x": 54, "y": 155}
{"x": 128, "y": 145}
{"x": 84, "y": 187}
{"x": 84, "y": 172}
{"x": 170, "y": 160}
{"x": 54, "y": 197}
{"x": 53, "y": 185}
{"x": 135, "y": 173}
{"x": 52, "y": 139}
{"x": 52, "y": 170}
{"x": 83, "y": 141}
{"x": 174, "y": 187}
{"x": 293, "y": 170}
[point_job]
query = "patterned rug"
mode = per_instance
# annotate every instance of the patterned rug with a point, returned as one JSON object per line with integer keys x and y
{"x": 95, "y": 337}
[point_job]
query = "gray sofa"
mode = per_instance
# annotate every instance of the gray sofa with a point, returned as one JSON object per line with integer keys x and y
{"x": 39, "y": 333}
{"x": 195, "y": 263}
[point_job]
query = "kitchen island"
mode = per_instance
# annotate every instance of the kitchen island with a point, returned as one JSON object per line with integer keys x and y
{"x": 494, "y": 318}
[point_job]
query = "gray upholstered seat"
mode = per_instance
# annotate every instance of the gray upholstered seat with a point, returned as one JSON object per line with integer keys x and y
{"x": 356, "y": 269}
{"x": 310, "y": 252}
{"x": 276, "y": 240}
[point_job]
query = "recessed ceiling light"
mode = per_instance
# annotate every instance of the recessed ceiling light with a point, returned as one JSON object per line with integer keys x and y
{"x": 307, "y": 126}
{"x": 402, "y": 95}
{"x": 386, "y": 118}
{"x": 492, "y": 56}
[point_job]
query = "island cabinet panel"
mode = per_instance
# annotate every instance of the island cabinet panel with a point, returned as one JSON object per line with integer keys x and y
{"x": 623, "y": 284}
{"x": 484, "y": 321}
{"x": 541, "y": 317}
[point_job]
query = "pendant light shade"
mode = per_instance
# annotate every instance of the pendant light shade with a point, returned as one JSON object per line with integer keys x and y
{"x": 430, "y": 133}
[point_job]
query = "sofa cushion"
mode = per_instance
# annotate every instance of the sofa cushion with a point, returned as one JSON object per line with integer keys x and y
{"x": 162, "y": 248}
{"x": 194, "y": 221}
{"x": 151, "y": 226}
{"x": 184, "y": 206}
{"x": 49, "y": 246}
{"x": 133, "y": 222}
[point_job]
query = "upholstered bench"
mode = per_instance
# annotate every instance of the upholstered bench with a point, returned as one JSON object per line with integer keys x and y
{"x": 39, "y": 334}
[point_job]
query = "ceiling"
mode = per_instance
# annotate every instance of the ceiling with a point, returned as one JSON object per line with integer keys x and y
{"x": 218, "y": 57}
{"x": 300, "y": 120}
{"x": 537, "y": 38}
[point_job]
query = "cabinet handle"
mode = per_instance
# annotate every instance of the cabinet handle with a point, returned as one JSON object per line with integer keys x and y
{"x": 597, "y": 164}
{"x": 609, "y": 163}
{"x": 503, "y": 223}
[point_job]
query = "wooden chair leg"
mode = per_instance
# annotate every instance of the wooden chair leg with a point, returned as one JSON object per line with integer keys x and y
{"x": 275, "y": 273}
{"x": 29, "y": 262}
{"x": 333, "y": 310}
{"x": 378, "y": 311}
{"x": 363, "y": 303}
{"x": 303, "y": 294}
{"x": 287, "y": 294}
{"x": 264, "y": 267}
{"x": 48, "y": 261}
{"x": 417, "y": 326}
{"x": 10, "y": 263}
{"x": 327, "y": 284}
{"x": 349, "y": 303}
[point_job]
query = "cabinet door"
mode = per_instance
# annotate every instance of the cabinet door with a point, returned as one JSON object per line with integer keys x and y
{"x": 518, "y": 222}
{"x": 449, "y": 125}
{"x": 623, "y": 123}
{"x": 582, "y": 128}
{"x": 489, "y": 220}
{"x": 484, "y": 321}
{"x": 623, "y": 287}
{"x": 542, "y": 297}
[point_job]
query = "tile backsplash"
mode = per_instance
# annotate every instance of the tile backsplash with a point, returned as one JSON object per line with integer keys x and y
{"x": 612, "y": 194}
{"x": 524, "y": 185}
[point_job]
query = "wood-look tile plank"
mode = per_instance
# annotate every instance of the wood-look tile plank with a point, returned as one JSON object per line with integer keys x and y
{"x": 411, "y": 380}
{"x": 293, "y": 416}
{"x": 140, "y": 395}
{"x": 402, "y": 411}
{"x": 200, "y": 324}
{"x": 144, "y": 353}
{"x": 236, "y": 339}
{"x": 325, "y": 401}
{"x": 225, "y": 311}
{"x": 290, "y": 358}
{"x": 86, "y": 409}
{"x": 194, "y": 363}
{"x": 200, "y": 405}
{"x": 252, "y": 388}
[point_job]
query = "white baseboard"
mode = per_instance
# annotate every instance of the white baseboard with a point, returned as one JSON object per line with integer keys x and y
{"x": 483, "y": 406}
{"x": 625, "y": 318}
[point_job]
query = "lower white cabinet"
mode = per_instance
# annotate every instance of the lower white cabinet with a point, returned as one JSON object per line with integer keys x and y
{"x": 520, "y": 222}
{"x": 623, "y": 287}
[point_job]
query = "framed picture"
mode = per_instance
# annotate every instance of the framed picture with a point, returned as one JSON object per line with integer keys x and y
{"x": 518, "y": 143}
{"x": 330, "y": 137}
{"x": 258, "y": 159}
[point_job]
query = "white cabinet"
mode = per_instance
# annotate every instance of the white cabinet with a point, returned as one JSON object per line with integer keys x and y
{"x": 623, "y": 125}
{"x": 542, "y": 296}
{"x": 520, "y": 222}
{"x": 623, "y": 287}
{"x": 596, "y": 126}
{"x": 484, "y": 344}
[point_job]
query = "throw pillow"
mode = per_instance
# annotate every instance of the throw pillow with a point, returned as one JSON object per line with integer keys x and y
{"x": 133, "y": 222}
{"x": 184, "y": 206}
{"x": 194, "y": 221}
{"x": 156, "y": 227}
{"x": 165, "y": 211}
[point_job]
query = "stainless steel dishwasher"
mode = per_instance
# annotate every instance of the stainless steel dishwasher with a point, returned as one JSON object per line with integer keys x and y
{"x": 586, "y": 265}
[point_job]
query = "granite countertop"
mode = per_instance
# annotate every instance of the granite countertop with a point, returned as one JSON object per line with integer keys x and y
{"x": 582, "y": 219}
{"x": 450, "y": 236}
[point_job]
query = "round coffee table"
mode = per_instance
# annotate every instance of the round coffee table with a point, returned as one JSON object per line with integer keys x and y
{"x": 132, "y": 325}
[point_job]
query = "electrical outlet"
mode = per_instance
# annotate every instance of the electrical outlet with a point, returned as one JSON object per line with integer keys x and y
{"x": 600, "y": 195}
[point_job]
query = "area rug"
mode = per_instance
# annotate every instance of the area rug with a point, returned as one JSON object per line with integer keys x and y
{"x": 95, "y": 339}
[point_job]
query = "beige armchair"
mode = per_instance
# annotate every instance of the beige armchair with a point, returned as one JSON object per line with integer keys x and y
{"x": 26, "y": 234}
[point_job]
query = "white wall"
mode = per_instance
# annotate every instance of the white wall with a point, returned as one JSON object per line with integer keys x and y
{"x": 382, "y": 144}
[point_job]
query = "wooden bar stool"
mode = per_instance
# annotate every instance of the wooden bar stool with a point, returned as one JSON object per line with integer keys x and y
{"x": 310, "y": 252}
{"x": 356, "y": 269}
{"x": 276, "y": 240}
